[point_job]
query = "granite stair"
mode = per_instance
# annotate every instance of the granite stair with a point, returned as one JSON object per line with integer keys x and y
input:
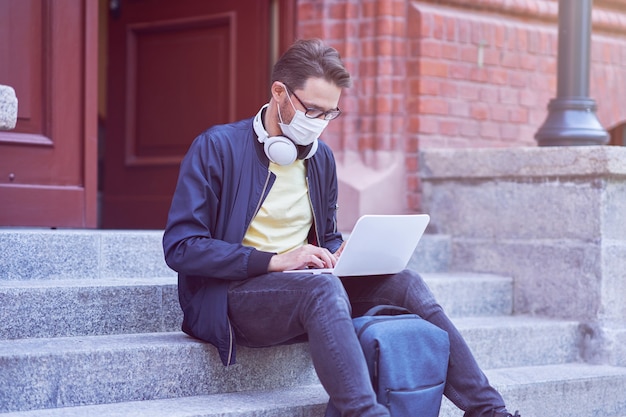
{"x": 89, "y": 325}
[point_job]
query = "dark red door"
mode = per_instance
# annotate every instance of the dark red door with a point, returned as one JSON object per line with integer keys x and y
{"x": 48, "y": 54}
{"x": 175, "y": 68}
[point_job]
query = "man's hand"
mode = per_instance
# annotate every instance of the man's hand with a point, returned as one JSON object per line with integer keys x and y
{"x": 303, "y": 257}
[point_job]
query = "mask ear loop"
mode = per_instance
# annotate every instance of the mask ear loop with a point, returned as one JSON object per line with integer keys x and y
{"x": 290, "y": 102}
{"x": 279, "y": 115}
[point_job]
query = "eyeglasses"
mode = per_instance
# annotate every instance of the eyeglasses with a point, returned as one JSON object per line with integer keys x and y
{"x": 313, "y": 113}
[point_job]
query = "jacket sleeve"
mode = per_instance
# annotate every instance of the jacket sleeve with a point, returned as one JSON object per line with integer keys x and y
{"x": 189, "y": 242}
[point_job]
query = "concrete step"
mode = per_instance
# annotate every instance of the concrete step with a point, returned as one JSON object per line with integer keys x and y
{"x": 77, "y": 307}
{"x": 510, "y": 341}
{"x": 301, "y": 401}
{"x": 81, "y": 254}
{"x": 60, "y": 308}
{"x": 90, "y": 326}
{"x": 569, "y": 390}
{"x": 471, "y": 294}
{"x": 64, "y": 372}
{"x": 432, "y": 254}
{"x": 30, "y": 254}
{"x": 54, "y": 372}
{"x": 566, "y": 390}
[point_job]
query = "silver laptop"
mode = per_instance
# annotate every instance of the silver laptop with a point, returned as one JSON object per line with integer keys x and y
{"x": 378, "y": 244}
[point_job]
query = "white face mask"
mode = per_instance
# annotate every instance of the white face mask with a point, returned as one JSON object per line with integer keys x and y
{"x": 302, "y": 130}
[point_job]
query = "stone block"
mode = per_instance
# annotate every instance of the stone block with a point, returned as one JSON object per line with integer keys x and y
{"x": 133, "y": 254}
{"x": 612, "y": 213}
{"x": 48, "y": 254}
{"x": 522, "y": 162}
{"x": 551, "y": 217}
{"x": 565, "y": 192}
{"x": 568, "y": 390}
{"x": 79, "y": 254}
{"x": 516, "y": 209}
{"x": 615, "y": 339}
{"x": 554, "y": 278}
{"x": 432, "y": 254}
{"x": 64, "y": 372}
{"x": 491, "y": 340}
{"x": 613, "y": 291}
{"x": 301, "y": 401}
{"x": 8, "y": 108}
{"x": 463, "y": 294}
{"x": 55, "y": 308}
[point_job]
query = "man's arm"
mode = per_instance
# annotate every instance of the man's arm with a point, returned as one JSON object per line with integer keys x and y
{"x": 189, "y": 243}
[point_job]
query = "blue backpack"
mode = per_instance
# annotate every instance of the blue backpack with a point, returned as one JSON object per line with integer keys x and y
{"x": 407, "y": 359}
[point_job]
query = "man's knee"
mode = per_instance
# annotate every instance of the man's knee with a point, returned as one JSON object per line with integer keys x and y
{"x": 408, "y": 280}
{"x": 328, "y": 289}
{"x": 409, "y": 289}
{"x": 327, "y": 283}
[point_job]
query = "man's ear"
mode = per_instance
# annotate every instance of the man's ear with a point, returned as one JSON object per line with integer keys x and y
{"x": 278, "y": 91}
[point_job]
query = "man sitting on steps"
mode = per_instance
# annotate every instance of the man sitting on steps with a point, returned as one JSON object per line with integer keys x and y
{"x": 256, "y": 199}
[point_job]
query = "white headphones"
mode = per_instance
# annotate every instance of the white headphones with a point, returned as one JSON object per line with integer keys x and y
{"x": 280, "y": 149}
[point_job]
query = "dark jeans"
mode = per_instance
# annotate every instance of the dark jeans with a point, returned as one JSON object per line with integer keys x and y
{"x": 277, "y": 307}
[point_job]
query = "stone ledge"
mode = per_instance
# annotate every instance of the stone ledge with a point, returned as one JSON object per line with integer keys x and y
{"x": 63, "y": 372}
{"x": 549, "y": 217}
{"x": 526, "y": 162}
{"x": 81, "y": 254}
{"x": 32, "y": 254}
{"x": 8, "y": 108}
{"x": 57, "y": 308}
{"x": 301, "y": 401}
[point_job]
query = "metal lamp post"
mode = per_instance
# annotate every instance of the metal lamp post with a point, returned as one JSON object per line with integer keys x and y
{"x": 571, "y": 116}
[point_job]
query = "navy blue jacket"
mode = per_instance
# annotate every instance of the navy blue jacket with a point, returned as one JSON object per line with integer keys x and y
{"x": 222, "y": 183}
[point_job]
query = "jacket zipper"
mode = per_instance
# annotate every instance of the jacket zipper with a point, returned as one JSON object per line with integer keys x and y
{"x": 317, "y": 234}
{"x": 335, "y": 218}
{"x": 230, "y": 342}
{"x": 258, "y": 206}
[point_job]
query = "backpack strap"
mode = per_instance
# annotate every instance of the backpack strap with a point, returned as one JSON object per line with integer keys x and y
{"x": 386, "y": 310}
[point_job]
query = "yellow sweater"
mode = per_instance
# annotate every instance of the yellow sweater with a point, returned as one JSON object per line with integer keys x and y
{"x": 284, "y": 220}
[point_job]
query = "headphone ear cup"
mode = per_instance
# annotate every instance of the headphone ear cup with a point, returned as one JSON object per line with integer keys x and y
{"x": 280, "y": 150}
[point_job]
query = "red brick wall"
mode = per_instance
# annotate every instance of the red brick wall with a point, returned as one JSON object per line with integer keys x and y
{"x": 370, "y": 35}
{"x": 484, "y": 77}
{"x": 479, "y": 80}
{"x": 455, "y": 73}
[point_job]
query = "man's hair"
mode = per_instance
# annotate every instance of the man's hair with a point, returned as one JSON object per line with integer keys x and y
{"x": 310, "y": 58}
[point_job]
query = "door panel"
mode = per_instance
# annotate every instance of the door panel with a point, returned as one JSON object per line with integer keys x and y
{"x": 48, "y": 162}
{"x": 154, "y": 140}
{"x": 175, "y": 69}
